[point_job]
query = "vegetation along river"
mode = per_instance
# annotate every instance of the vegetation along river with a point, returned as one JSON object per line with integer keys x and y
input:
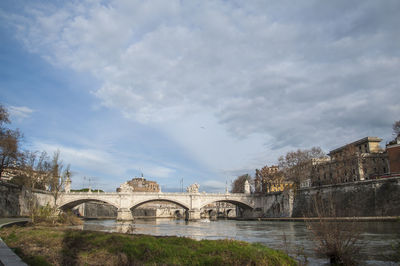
{"x": 377, "y": 238}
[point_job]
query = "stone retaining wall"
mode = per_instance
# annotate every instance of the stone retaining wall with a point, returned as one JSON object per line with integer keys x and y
{"x": 14, "y": 200}
{"x": 9, "y": 200}
{"x": 380, "y": 197}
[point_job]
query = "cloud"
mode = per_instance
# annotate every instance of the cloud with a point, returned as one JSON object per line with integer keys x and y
{"x": 273, "y": 76}
{"x": 20, "y": 112}
{"x": 213, "y": 186}
{"x": 84, "y": 158}
{"x": 159, "y": 171}
{"x": 106, "y": 168}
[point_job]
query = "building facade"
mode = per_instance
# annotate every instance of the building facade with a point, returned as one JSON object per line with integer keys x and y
{"x": 270, "y": 179}
{"x": 360, "y": 160}
{"x": 393, "y": 151}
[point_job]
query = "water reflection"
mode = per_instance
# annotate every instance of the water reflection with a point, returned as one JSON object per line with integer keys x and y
{"x": 292, "y": 237}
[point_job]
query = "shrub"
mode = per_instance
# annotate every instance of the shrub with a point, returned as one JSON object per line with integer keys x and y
{"x": 68, "y": 218}
{"x": 51, "y": 216}
{"x": 43, "y": 214}
{"x": 337, "y": 240}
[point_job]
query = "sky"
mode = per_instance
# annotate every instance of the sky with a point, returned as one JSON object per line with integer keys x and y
{"x": 196, "y": 91}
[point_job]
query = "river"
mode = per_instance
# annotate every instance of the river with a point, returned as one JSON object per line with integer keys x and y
{"x": 377, "y": 238}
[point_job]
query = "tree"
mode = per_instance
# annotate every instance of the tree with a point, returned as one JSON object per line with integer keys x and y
{"x": 339, "y": 241}
{"x": 33, "y": 170}
{"x": 266, "y": 177}
{"x": 4, "y": 117}
{"x": 345, "y": 165}
{"x": 9, "y": 142}
{"x": 297, "y": 165}
{"x": 396, "y": 128}
{"x": 58, "y": 175}
{"x": 238, "y": 184}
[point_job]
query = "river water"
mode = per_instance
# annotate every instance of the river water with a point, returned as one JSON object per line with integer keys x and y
{"x": 294, "y": 238}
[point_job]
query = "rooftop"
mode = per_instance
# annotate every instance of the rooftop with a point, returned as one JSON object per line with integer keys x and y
{"x": 355, "y": 143}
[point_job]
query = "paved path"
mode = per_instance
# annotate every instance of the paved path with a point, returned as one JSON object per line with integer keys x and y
{"x": 9, "y": 221}
{"x": 7, "y": 256}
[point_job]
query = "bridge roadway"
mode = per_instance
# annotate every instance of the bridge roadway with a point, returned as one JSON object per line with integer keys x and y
{"x": 191, "y": 202}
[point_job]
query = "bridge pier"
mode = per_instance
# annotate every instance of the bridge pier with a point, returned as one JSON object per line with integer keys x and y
{"x": 192, "y": 215}
{"x": 124, "y": 214}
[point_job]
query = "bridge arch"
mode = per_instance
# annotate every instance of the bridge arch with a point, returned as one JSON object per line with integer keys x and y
{"x": 238, "y": 203}
{"x": 137, "y": 204}
{"x": 75, "y": 202}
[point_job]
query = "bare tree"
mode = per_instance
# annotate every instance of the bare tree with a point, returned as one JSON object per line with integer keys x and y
{"x": 9, "y": 142}
{"x": 238, "y": 184}
{"x": 338, "y": 240}
{"x": 4, "y": 116}
{"x": 267, "y": 177}
{"x": 34, "y": 170}
{"x": 396, "y": 128}
{"x": 58, "y": 175}
{"x": 345, "y": 165}
{"x": 297, "y": 165}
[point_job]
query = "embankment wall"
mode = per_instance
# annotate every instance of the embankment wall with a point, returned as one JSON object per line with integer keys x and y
{"x": 14, "y": 200}
{"x": 380, "y": 197}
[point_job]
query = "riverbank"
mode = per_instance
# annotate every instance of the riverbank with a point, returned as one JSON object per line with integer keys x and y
{"x": 335, "y": 219}
{"x": 63, "y": 246}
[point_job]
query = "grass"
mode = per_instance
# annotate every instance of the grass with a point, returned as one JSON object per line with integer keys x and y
{"x": 60, "y": 246}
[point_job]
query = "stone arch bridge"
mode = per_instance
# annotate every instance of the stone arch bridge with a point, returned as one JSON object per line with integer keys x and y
{"x": 191, "y": 202}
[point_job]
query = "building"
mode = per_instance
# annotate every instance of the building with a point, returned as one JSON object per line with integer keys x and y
{"x": 279, "y": 185}
{"x": 139, "y": 184}
{"x": 393, "y": 152}
{"x": 20, "y": 175}
{"x": 360, "y": 160}
{"x": 9, "y": 173}
{"x": 364, "y": 145}
{"x": 270, "y": 179}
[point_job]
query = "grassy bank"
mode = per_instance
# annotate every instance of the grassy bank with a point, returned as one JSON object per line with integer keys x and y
{"x": 60, "y": 246}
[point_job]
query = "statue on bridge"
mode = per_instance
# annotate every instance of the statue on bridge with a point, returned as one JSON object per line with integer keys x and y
{"x": 67, "y": 185}
{"x": 194, "y": 188}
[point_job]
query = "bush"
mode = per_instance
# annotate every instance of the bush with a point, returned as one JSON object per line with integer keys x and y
{"x": 43, "y": 214}
{"x": 336, "y": 240}
{"x": 339, "y": 241}
{"x": 68, "y": 218}
{"x": 51, "y": 216}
